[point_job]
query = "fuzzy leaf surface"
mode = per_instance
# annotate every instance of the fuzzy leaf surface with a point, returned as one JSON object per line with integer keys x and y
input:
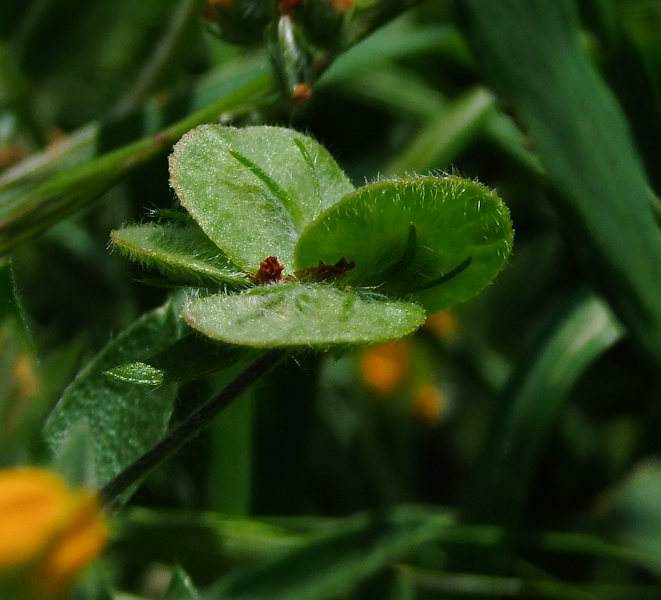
{"x": 439, "y": 240}
{"x": 254, "y": 190}
{"x": 181, "y": 252}
{"x": 123, "y": 420}
{"x": 300, "y": 315}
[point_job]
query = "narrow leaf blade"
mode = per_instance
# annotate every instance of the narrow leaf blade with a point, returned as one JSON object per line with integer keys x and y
{"x": 530, "y": 50}
{"x": 537, "y": 394}
{"x": 355, "y": 549}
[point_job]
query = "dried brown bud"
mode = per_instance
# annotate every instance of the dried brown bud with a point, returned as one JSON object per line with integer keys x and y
{"x": 270, "y": 271}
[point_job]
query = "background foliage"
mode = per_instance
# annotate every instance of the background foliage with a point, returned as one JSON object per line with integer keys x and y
{"x": 508, "y": 449}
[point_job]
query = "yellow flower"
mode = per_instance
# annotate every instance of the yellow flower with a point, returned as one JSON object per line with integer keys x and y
{"x": 48, "y": 533}
{"x": 429, "y": 404}
{"x": 443, "y": 325}
{"x": 384, "y": 368}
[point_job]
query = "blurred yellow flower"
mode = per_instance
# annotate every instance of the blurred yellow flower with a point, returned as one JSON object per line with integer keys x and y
{"x": 429, "y": 404}
{"x": 384, "y": 367}
{"x": 443, "y": 325}
{"x": 48, "y": 533}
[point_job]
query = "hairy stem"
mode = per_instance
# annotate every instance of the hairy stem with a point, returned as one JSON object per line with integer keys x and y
{"x": 188, "y": 429}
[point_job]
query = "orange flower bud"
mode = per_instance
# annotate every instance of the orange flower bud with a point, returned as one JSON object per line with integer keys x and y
{"x": 48, "y": 533}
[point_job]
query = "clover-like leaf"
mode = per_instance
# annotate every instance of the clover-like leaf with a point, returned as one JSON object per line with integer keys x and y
{"x": 301, "y": 315}
{"x": 438, "y": 241}
{"x": 324, "y": 264}
{"x": 254, "y": 190}
{"x": 181, "y": 252}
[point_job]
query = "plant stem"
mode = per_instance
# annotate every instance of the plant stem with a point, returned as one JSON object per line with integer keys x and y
{"x": 163, "y": 55}
{"x": 188, "y": 429}
{"x": 69, "y": 191}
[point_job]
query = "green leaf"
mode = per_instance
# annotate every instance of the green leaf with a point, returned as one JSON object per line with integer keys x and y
{"x": 181, "y": 587}
{"x": 231, "y": 457}
{"x": 139, "y": 373}
{"x": 254, "y": 190}
{"x": 440, "y": 240}
{"x": 181, "y": 252}
{"x": 332, "y": 563}
{"x": 202, "y": 542}
{"x": 192, "y": 357}
{"x": 74, "y": 458}
{"x": 10, "y": 306}
{"x": 632, "y": 515}
{"x": 444, "y": 136}
{"x": 23, "y": 402}
{"x": 531, "y": 52}
{"x": 300, "y": 315}
{"x": 125, "y": 420}
{"x": 25, "y": 215}
{"x": 536, "y": 395}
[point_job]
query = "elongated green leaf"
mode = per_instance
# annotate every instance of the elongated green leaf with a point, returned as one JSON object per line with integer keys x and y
{"x": 181, "y": 252}
{"x": 124, "y": 419}
{"x": 536, "y": 395}
{"x": 231, "y": 457}
{"x": 201, "y": 542}
{"x": 440, "y": 240}
{"x": 10, "y": 306}
{"x": 300, "y": 315}
{"x": 530, "y": 51}
{"x": 254, "y": 190}
{"x": 334, "y": 562}
{"x": 21, "y": 410}
{"x": 181, "y": 587}
{"x": 632, "y": 516}
{"x": 447, "y": 134}
{"x": 191, "y": 357}
{"x": 205, "y": 542}
{"x": 24, "y": 216}
{"x": 401, "y": 39}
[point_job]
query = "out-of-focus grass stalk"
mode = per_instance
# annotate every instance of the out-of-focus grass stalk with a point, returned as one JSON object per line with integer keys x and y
{"x": 27, "y": 216}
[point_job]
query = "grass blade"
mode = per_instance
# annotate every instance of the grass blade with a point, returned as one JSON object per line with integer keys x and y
{"x": 530, "y": 51}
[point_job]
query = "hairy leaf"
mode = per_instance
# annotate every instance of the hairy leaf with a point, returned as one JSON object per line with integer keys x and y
{"x": 301, "y": 315}
{"x": 123, "y": 419}
{"x": 191, "y": 357}
{"x": 439, "y": 240}
{"x": 254, "y": 190}
{"x": 181, "y": 252}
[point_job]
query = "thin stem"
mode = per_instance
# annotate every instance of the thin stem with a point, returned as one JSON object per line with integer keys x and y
{"x": 165, "y": 52}
{"x": 69, "y": 191}
{"x": 188, "y": 429}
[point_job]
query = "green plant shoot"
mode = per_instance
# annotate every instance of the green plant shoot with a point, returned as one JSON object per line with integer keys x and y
{"x": 283, "y": 252}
